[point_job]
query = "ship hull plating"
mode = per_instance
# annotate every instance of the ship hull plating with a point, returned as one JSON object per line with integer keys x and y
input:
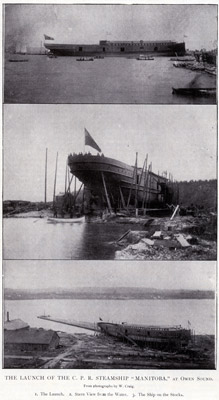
{"x": 154, "y": 336}
{"x": 121, "y": 180}
{"x": 107, "y": 48}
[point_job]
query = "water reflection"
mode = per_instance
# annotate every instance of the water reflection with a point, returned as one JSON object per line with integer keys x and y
{"x": 37, "y": 239}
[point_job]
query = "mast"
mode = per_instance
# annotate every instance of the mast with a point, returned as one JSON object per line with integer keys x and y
{"x": 54, "y": 191}
{"x": 136, "y": 180}
{"x": 45, "y": 178}
{"x": 66, "y": 171}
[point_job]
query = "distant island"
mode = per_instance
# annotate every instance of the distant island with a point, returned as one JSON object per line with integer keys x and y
{"x": 119, "y": 293}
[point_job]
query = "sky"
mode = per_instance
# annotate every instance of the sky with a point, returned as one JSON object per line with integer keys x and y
{"x": 195, "y": 275}
{"x": 194, "y": 24}
{"x": 179, "y": 139}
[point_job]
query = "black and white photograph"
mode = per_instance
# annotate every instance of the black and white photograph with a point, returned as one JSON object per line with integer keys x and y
{"x": 118, "y": 53}
{"x": 110, "y": 182}
{"x": 140, "y": 316}
{"x": 109, "y": 200}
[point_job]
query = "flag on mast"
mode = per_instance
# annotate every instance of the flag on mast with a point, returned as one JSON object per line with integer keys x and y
{"x": 48, "y": 37}
{"x": 89, "y": 141}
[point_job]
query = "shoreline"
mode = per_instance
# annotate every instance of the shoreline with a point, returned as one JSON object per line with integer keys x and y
{"x": 84, "y": 351}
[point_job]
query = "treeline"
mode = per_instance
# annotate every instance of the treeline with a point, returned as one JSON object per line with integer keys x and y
{"x": 197, "y": 193}
{"x": 109, "y": 293}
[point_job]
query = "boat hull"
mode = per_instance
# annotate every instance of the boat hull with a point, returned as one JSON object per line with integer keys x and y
{"x": 159, "y": 336}
{"x": 195, "y": 92}
{"x": 107, "y": 48}
{"x": 118, "y": 178}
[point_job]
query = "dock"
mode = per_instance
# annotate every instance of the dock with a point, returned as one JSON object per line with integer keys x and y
{"x": 79, "y": 324}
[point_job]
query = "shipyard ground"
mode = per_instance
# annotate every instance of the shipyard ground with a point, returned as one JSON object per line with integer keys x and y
{"x": 84, "y": 351}
{"x": 183, "y": 238}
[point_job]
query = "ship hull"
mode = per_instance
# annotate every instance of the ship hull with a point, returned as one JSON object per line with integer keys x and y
{"x": 106, "y": 48}
{"x": 154, "y": 336}
{"x": 121, "y": 180}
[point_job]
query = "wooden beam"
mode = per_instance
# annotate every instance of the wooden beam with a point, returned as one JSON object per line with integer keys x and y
{"x": 122, "y": 198}
{"x": 136, "y": 181}
{"x": 106, "y": 193}
{"x": 174, "y": 213}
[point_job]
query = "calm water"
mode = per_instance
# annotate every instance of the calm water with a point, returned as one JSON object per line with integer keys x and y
{"x": 200, "y": 313}
{"x": 29, "y": 238}
{"x": 108, "y": 80}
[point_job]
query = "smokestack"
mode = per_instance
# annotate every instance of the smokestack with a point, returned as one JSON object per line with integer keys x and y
{"x": 8, "y": 316}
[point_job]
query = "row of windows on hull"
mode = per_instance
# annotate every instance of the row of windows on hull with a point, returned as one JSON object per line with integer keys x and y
{"x": 122, "y": 49}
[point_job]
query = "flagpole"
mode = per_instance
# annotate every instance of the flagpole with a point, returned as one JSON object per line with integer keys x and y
{"x": 54, "y": 190}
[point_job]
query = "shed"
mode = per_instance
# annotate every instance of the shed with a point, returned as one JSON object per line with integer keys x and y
{"x": 31, "y": 340}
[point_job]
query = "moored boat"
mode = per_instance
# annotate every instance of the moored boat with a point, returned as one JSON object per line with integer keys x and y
{"x": 142, "y": 57}
{"x": 66, "y": 220}
{"x": 196, "y": 92}
{"x": 85, "y": 59}
{"x": 18, "y": 60}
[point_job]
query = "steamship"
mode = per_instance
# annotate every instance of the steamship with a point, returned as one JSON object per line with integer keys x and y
{"x": 159, "y": 336}
{"x": 106, "y": 177}
{"x": 117, "y": 48}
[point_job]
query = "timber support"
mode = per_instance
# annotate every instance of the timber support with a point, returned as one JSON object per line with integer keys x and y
{"x": 106, "y": 193}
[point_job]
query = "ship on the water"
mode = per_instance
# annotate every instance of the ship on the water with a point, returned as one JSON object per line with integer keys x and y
{"x": 114, "y": 184}
{"x": 117, "y": 48}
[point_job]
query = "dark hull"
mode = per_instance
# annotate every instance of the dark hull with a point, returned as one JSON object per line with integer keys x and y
{"x": 113, "y": 49}
{"x": 195, "y": 92}
{"x": 119, "y": 177}
{"x": 155, "y": 336}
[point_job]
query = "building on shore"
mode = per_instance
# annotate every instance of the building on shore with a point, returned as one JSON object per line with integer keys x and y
{"x": 31, "y": 339}
{"x": 19, "y": 336}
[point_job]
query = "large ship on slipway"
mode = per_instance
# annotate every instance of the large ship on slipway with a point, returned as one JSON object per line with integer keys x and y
{"x": 158, "y": 336}
{"x": 149, "y": 335}
{"x": 115, "y": 184}
{"x": 116, "y": 48}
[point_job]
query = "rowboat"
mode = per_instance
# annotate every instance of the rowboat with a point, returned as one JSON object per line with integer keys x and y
{"x": 144, "y": 58}
{"x": 85, "y": 59}
{"x": 18, "y": 60}
{"x": 66, "y": 220}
